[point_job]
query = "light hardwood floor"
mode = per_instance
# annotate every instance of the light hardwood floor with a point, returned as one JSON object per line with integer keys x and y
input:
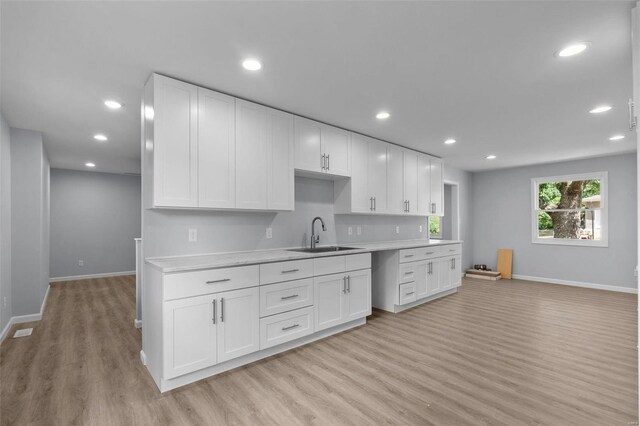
{"x": 504, "y": 353}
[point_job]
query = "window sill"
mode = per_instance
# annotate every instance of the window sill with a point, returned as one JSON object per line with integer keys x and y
{"x": 578, "y": 243}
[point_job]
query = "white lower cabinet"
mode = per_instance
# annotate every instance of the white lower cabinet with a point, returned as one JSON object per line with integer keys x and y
{"x": 341, "y": 298}
{"x": 238, "y": 329}
{"x": 285, "y": 327}
{"x": 405, "y": 277}
{"x": 190, "y": 335}
{"x": 205, "y": 330}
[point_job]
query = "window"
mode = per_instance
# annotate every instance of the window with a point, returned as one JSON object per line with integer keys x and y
{"x": 435, "y": 227}
{"x": 570, "y": 210}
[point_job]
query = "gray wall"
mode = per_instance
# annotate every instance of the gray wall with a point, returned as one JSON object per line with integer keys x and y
{"x": 29, "y": 222}
{"x": 502, "y": 219}
{"x": 5, "y": 224}
{"x": 95, "y": 218}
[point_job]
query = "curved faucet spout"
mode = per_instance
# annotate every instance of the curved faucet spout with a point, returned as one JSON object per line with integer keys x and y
{"x": 315, "y": 239}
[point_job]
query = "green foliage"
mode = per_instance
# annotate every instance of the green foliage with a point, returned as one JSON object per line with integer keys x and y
{"x": 591, "y": 187}
{"x": 544, "y": 221}
{"x": 549, "y": 195}
{"x": 434, "y": 225}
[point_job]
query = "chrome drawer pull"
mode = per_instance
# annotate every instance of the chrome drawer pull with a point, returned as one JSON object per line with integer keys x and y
{"x": 408, "y": 255}
{"x": 293, "y": 296}
{"x": 222, "y": 310}
{"x": 430, "y": 252}
{"x": 290, "y": 327}
{"x": 408, "y": 272}
{"x": 224, "y": 280}
{"x": 288, "y": 271}
{"x": 214, "y": 310}
{"x": 409, "y": 294}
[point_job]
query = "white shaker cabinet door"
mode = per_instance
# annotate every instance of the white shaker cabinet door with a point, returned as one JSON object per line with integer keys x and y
{"x": 395, "y": 198}
{"x": 421, "y": 279}
{"x": 337, "y": 150}
{"x": 433, "y": 277}
{"x": 307, "y": 145}
{"x": 251, "y": 155}
{"x": 280, "y": 153}
{"x": 189, "y": 335}
{"x": 175, "y": 148}
{"x": 329, "y": 297}
{"x": 377, "y": 174}
{"x": 437, "y": 188}
{"x": 358, "y": 296}
{"x": 216, "y": 150}
{"x": 238, "y": 323}
{"x": 410, "y": 181}
{"x": 424, "y": 185}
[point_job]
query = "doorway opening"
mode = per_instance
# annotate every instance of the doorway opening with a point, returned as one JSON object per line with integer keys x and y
{"x": 447, "y": 227}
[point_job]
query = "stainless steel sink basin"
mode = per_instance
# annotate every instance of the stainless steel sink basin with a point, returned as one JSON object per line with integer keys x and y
{"x": 323, "y": 249}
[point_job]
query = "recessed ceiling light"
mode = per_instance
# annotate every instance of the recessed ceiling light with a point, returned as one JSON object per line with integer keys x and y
{"x": 616, "y": 137}
{"x": 89, "y": 164}
{"x": 383, "y": 115}
{"x": 573, "y": 49}
{"x": 99, "y": 137}
{"x": 251, "y": 64}
{"x": 491, "y": 157}
{"x": 113, "y": 104}
{"x": 450, "y": 141}
{"x": 601, "y": 108}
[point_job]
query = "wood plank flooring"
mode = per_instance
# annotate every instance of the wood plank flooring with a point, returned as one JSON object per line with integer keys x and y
{"x": 498, "y": 353}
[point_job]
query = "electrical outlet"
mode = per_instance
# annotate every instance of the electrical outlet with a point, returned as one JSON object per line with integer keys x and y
{"x": 397, "y": 229}
{"x": 420, "y": 228}
{"x": 80, "y": 262}
{"x": 359, "y": 230}
{"x": 350, "y": 230}
{"x": 269, "y": 233}
{"x": 193, "y": 235}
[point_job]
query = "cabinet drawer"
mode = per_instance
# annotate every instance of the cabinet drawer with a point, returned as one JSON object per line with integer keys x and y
{"x": 407, "y": 293}
{"x": 407, "y": 272}
{"x": 283, "y": 297}
{"x": 286, "y": 271}
{"x": 409, "y": 255}
{"x": 329, "y": 265}
{"x": 187, "y": 284}
{"x": 451, "y": 250}
{"x": 285, "y": 327}
{"x": 358, "y": 261}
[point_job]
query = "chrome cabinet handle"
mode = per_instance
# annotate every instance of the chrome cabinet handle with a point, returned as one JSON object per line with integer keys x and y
{"x": 293, "y": 296}
{"x": 408, "y": 206}
{"x": 328, "y": 163}
{"x": 290, "y": 327}
{"x": 322, "y": 162}
{"x": 223, "y": 280}
{"x": 408, "y": 272}
{"x": 214, "y": 310}
{"x": 633, "y": 120}
{"x": 348, "y": 284}
{"x": 429, "y": 252}
{"x": 288, "y": 271}
{"x": 433, "y": 207}
{"x": 222, "y": 310}
{"x": 344, "y": 285}
{"x": 375, "y": 204}
{"x": 371, "y": 203}
{"x": 408, "y": 255}
{"x": 454, "y": 263}
{"x": 410, "y": 293}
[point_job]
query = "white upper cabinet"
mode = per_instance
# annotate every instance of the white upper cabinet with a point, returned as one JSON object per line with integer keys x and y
{"x": 424, "y": 185}
{"x": 437, "y": 188}
{"x": 175, "y": 178}
{"x": 251, "y": 155}
{"x": 395, "y": 180}
{"x": 321, "y": 148}
{"x": 377, "y": 174}
{"x": 216, "y": 150}
{"x": 410, "y": 181}
{"x": 280, "y": 153}
{"x": 358, "y": 188}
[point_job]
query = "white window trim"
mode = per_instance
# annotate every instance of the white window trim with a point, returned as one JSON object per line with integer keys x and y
{"x": 604, "y": 210}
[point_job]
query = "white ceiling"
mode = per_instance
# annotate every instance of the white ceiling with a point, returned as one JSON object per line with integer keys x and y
{"x": 483, "y": 73}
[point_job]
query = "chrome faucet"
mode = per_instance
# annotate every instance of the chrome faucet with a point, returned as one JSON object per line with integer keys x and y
{"x": 315, "y": 239}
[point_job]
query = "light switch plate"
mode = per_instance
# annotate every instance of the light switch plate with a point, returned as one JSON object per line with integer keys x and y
{"x": 350, "y": 230}
{"x": 420, "y": 228}
{"x": 397, "y": 229}
{"x": 80, "y": 262}
{"x": 269, "y": 233}
{"x": 193, "y": 235}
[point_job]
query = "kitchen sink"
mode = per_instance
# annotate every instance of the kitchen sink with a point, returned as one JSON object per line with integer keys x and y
{"x": 323, "y": 249}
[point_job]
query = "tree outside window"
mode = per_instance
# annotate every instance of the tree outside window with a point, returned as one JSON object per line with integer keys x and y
{"x": 435, "y": 227}
{"x": 570, "y": 210}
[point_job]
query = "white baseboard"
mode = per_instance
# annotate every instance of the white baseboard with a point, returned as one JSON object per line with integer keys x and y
{"x": 88, "y": 277}
{"x": 26, "y": 318}
{"x": 577, "y": 284}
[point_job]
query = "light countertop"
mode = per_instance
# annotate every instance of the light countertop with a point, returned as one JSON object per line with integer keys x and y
{"x": 220, "y": 260}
